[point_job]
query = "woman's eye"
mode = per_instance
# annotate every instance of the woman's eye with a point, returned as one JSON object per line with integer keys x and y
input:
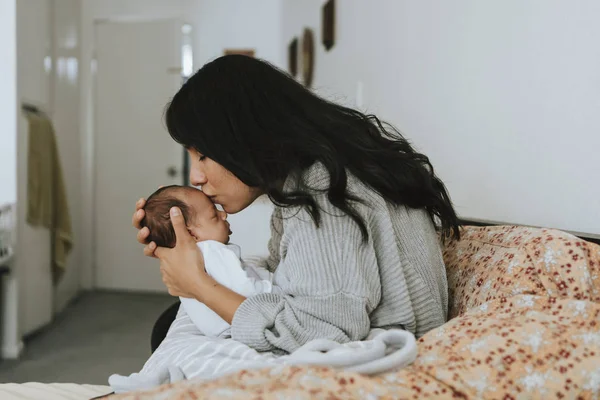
{"x": 202, "y": 158}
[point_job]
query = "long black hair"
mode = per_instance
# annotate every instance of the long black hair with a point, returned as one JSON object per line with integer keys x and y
{"x": 263, "y": 126}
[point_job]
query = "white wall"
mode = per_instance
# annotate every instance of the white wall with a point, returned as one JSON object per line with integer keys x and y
{"x": 217, "y": 25}
{"x": 10, "y": 343}
{"x": 66, "y": 104}
{"x": 8, "y": 96}
{"x": 234, "y": 24}
{"x": 503, "y": 96}
{"x": 32, "y": 263}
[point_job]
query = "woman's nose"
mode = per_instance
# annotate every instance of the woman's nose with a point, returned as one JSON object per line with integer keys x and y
{"x": 197, "y": 177}
{"x": 222, "y": 214}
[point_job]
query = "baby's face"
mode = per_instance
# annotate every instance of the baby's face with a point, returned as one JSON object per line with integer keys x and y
{"x": 208, "y": 223}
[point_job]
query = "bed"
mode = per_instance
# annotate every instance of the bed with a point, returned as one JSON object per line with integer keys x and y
{"x": 525, "y": 323}
{"x": 50, "y": 391}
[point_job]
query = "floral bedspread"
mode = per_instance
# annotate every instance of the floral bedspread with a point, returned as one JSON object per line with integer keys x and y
{"x": 525, "y": 304}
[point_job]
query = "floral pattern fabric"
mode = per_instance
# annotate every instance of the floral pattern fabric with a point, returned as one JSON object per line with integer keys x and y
{"x": 525, "y": 304}
{"x": 499, "y": 262}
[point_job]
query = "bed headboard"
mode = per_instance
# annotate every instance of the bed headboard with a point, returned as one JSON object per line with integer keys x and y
{"x": 480, "y": 222}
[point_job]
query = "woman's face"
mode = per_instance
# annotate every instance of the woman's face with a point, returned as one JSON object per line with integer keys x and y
{"x": 220, "y": 185}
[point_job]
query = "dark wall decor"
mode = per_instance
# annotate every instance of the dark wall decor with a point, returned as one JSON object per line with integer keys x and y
{"x": 243, "y": 52}
{"x": 328, "y": 24}
{"x": 308, "y": 56}
{"x": 293, "y": 57}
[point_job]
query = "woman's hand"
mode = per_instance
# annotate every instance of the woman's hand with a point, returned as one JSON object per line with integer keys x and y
{"x": 182, "y": 267}
{"x": 143, "y": 233}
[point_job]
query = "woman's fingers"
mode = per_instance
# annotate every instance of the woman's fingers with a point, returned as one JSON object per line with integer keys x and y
{"x": 143, "y": 232}
{"x": 140, "y": 203}
{"x": 142, "y": 235}
{"x": 138, "y": 216}
{"x": 139, "y": 213}
{"x": 149, "y": 249}
{"x": 181, "y": 231}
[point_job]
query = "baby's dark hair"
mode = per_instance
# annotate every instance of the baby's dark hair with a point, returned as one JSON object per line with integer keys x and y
{"x": 157, "y": 217}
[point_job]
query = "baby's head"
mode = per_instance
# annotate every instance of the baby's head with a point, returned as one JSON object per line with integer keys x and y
{"x": 203, "y": 220}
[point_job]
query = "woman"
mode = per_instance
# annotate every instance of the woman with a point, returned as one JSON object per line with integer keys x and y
{"x": 353, "y": 243}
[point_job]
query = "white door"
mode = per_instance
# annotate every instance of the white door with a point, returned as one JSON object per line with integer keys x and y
{"x": 137, "y": 72}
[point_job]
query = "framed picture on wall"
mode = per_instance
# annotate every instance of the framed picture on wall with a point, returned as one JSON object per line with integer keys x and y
{"x": 244, "y": 52}
{"x": 328, "y": 24}
{"x": 308, "y": 56}
{"x": 293, "y": 57}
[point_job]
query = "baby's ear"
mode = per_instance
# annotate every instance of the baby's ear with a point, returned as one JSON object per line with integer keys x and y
{"x": 191, "y": 232}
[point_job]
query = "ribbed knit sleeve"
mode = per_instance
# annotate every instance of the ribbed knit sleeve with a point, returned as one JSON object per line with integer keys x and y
{"x": 330, "y": 284}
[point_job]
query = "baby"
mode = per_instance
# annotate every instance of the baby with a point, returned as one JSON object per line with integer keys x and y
{"x": 203, "y": 220}
{"x": 210, "y": 229}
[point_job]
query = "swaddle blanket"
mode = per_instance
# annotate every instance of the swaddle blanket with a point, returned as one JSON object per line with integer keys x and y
{"x": 187, "y": 354}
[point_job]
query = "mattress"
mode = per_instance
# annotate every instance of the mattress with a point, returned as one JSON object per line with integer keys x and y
{"x": 51, "y": 391}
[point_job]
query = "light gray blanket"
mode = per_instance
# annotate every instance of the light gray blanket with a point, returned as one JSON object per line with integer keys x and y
{"x": 187, "y": 354}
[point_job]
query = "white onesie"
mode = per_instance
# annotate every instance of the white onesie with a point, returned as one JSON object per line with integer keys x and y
{"x": 222, "y": 262}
